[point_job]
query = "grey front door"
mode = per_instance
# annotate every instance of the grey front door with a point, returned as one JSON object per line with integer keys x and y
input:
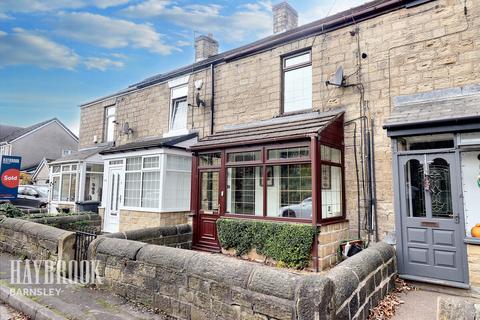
{"x": 432, "y": 235}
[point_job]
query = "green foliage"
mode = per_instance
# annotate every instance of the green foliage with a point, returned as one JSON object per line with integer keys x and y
{"x": 10, "y": 210}
{"x": 290, "y": 244}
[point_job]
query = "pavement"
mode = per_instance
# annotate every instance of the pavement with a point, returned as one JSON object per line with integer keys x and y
{"x": 64, "y": 301}
{"x": 421, "y": 303}
{"x": 7, "y": 313}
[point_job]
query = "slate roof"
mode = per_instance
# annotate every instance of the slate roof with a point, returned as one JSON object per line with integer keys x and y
{"x": 447, "y": 110}
{"x": 333, "y": 22}
{"x": 281, "y": 128}
{"x": 6, "y": 130}
{"x": 80, "y": 155}
{"x": 149, "y": 143}
{"x": 21, "y": 131}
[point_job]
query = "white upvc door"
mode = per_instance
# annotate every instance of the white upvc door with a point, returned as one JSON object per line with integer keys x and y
{"x": 113, "y": 199}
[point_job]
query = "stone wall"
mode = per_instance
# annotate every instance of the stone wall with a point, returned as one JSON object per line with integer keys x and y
{"x": 90, "y": 222}
{"x": 473, "y": 251}
{"x": 36, "y": 241}
{"x": 195, "y": 285}
{"x": 179, "y": 236}
{"x": 134, "y": 220}
{"x": 419, "y": 49}
{"x": 329, "y": 239}
{"x": 363, "y": 280}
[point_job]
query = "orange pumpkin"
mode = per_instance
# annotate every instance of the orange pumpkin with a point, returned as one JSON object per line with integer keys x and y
{"x": 476, "y": 231}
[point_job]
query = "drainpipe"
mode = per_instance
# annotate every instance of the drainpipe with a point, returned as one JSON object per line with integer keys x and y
{"x": 212, "y": 104}
{"x": 374, "y": 182}
{"x": 315, "y": 197}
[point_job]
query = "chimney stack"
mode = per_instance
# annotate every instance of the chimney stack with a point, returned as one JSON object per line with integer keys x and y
{"x": 205, "y": 47}
{"x": 285, "y": 17}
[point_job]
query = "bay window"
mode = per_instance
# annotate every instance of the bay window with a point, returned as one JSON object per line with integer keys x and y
{"x": 332, "y": 189}
{"x": 143, "y": 182}
{"x": 178, "y": 172}
{"x": 276, "y": 182}
{"x": 64, "y": 182}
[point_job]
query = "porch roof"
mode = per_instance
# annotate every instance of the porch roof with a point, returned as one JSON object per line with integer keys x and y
{"x": 277, "y": 129}
{"x": 164, "y": 142}
{"x": 79, "y": 155}
{"x": 451, "y": 109}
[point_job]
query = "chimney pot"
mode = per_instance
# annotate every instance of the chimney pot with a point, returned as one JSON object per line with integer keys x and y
{"x": 285, "y": 17}
{"x": 205, "y": 47}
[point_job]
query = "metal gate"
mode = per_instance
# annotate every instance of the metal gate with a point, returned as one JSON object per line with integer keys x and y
{"x": 82, "y": 241}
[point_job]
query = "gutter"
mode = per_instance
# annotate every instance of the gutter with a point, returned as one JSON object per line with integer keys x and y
{"x": 334, "y": 24}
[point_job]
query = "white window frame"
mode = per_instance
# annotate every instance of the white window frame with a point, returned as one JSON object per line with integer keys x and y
{"x": 65, "y": 168}
{"x": 189, "y": 171}
{"x": 177, "y": 94}
{"x": 110, "y": 123}
{"x": 120, "y": 161}
{"x": 293, "y": 67}
{"x": 141, "y": 171}
{"x": 5, "y": 150}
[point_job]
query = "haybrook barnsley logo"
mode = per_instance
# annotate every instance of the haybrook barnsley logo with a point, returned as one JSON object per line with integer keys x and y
{"x": 11, "y": 178}
{"x": 41, "y": 276}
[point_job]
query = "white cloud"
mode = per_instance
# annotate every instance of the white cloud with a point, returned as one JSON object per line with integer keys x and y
{"x": 4, "y": 16}
{"x": 51, "y": 5}
{"x": 22, "y": 47}
{"x": 102, "y": 64}
{"x": 183, "y": 43}
{"x": 251, "y": 18}
{"x": 111, "y": 33}
{"x": 73, "y": 125}
{"x": 319, "y": 11}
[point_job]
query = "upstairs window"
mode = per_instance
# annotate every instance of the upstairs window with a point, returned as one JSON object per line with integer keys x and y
{"x": 179, "y": 109}
{"x": 110, "y": 124}
{"x": 297, "y": 82}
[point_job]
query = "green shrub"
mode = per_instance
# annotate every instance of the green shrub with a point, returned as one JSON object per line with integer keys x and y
{"x": 289, "y": 244}
{"x": 10, "y": 210}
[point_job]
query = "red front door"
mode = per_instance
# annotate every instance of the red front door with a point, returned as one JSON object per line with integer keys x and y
{"x": 208, "y": 211}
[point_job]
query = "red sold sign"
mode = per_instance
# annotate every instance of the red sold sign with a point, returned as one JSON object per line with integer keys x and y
{"x": 11, "y": 178}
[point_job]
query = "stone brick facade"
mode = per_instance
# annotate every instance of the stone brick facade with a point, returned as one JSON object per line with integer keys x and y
{"x": 426, "y": 47}
{"x": 329, "y": 239}
{"x": 134, "y": 220}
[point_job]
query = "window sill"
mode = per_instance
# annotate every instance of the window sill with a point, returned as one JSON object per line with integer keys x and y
{"x": 472, "y": 240}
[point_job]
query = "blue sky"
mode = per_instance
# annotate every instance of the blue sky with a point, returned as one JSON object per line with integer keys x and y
{"x": 57, "y": 54}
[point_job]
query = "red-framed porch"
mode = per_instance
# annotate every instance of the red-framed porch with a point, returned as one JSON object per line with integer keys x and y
{"x": 300, "y": 134}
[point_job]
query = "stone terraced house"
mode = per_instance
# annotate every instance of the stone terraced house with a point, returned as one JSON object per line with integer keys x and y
{"x": 364, "y": 123}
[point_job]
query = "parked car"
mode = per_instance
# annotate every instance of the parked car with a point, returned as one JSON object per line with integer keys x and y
{"x": 31, "y": 197}
{"x": 301, "y": 210}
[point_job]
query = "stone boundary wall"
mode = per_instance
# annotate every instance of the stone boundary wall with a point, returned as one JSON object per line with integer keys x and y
{"x": 87, "y": 221}
{"x": 179, "y": 236}
{"x": 196, "y": 285}
{"x": 37, "y": 241}
{"x": 363, "y": 280}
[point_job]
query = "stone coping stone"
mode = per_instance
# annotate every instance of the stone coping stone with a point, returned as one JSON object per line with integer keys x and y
{"x": 33, "y": 229}
{"x": 274, "y": 282}
{"x": 119, "y": 247}
{"x": 166, "y": 256}
{"x": 150, "y": 233}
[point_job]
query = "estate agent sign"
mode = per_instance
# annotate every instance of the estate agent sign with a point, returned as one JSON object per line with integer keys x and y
{"x": 10, "y": 177}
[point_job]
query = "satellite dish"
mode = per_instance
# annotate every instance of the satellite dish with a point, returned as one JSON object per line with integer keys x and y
{"x": 338, "y": 79}
{"x": 126, "y": 128}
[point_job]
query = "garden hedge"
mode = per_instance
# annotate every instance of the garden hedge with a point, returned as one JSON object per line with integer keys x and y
{"x": 290, "y": 244}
